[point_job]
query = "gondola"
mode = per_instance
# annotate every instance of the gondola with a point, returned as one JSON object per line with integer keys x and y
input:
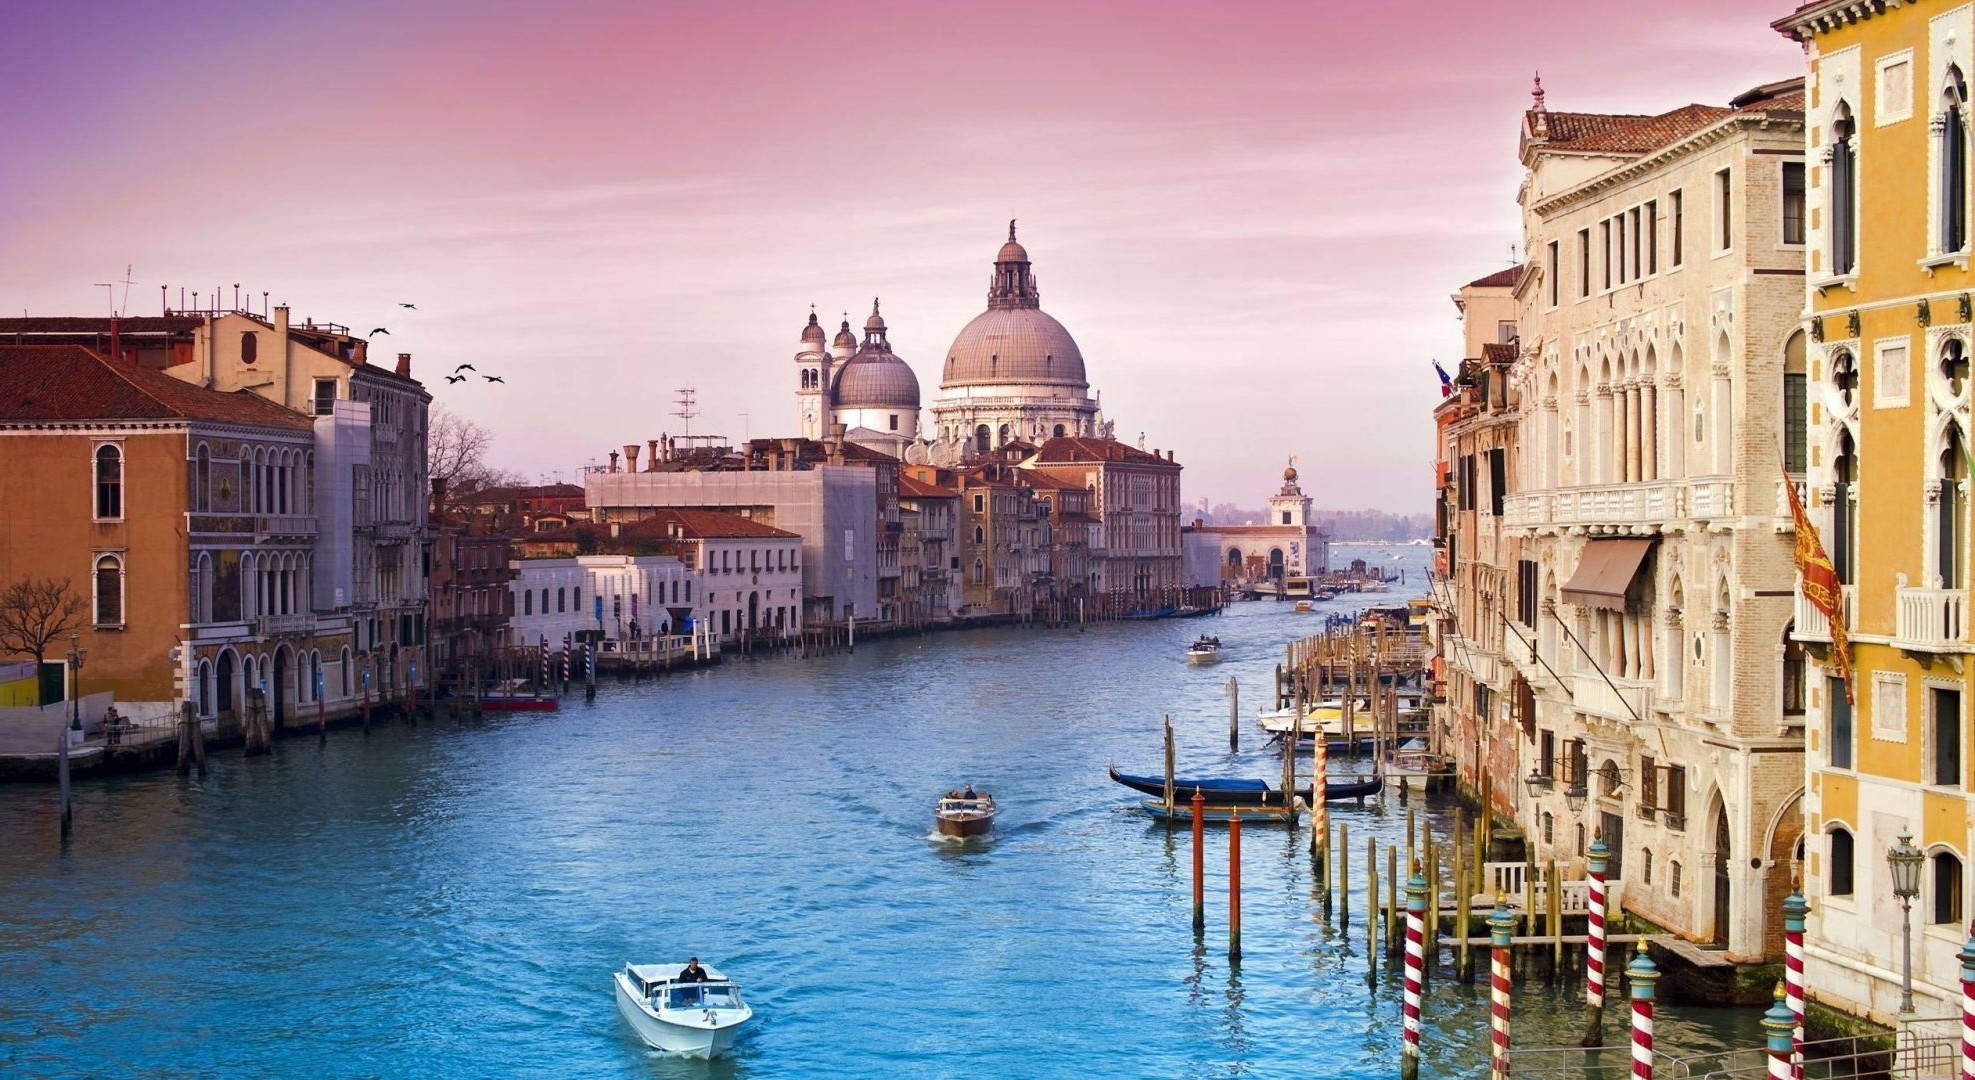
{"x": 1239, "y": 792}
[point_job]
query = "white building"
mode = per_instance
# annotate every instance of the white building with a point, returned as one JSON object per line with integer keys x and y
{"x": 1285, "y": 545}
{"x": 861, "y": 386}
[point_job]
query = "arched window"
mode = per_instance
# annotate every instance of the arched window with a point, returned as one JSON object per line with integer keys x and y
{"x": 1549, "y": 828}
{"x": 980, "y": 572}
{"x": 250, "y": 346}
{"x": 205, "y": 688}
{"x": 109, "y": 482}
{"x": 202, "y": 480}
{"x": 545, "y": 600}
{"x": 1951, "y": 528}
{"x": 1003, "y": 439}
{"x": 1841, "y": 862}
{"x": 1060, "y": 431}
{"x": 561, "y": 600}
{"x": 109, "y": 591}
{"x": 1844, "y": 192}
{"x": 1946, "y": 892}
{"x": 1953, "y": 162}
{"x": 1796, "y": 414}
{"x": 1844, "y": 512}
{"x": 982, "y": 439}
{"x": 1646, "y": 862}
{"x": 980, "y": 535}
{"x": 576, "y": 600}
{"x": 528, "y": 601}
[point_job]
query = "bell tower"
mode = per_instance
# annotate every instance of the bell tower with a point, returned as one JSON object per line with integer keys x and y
{"x": 812, "y": 377}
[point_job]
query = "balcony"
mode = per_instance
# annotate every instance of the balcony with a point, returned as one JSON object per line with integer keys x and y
{"x": 1626, "y": 704}
{"x": 1712, "y": 499}
{"x": 1648, "y": 503}
{"x": 1931, "y": 620}
{"x": 1811, "y": 623}
{"x": 285, "y": 527}
{"x": 303, "y": 623}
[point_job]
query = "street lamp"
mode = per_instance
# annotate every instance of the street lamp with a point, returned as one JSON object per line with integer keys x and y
{"x": 1905, "y": 860}
{"x": 76, "y": 656}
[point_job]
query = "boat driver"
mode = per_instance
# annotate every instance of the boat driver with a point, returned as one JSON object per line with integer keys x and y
{"x": 693, "y": 972}
{"x": 969, "y": 793}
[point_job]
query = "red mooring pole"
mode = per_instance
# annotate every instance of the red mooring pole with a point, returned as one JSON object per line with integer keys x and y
{"x": 1409, "y": 1061}
{"x": 1199, "y": 862}
{"x": 1501, "y": 926}
{"x": 1644, "y": 976}
{"x": 1794, "y": 910}
{"x": 1234, "y": 886}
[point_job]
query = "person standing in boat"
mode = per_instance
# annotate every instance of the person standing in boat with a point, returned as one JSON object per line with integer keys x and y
{"x": 693, "y": 972}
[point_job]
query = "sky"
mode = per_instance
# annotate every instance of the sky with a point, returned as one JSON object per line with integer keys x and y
{"x": 1251, "y": 216}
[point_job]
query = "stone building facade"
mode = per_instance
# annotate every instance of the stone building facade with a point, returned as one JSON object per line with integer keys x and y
{"x": 1657, "y": 328}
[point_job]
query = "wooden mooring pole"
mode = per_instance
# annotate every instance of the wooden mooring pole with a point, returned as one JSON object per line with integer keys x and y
{"x": 1344, "y": 875}
{"x": 1234, "y": 714}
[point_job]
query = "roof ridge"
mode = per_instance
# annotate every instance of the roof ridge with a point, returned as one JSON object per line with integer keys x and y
{"x": 117, "y": 370}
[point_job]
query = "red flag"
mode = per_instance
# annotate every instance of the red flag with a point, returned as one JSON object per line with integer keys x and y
{"x": 1821, "y": 586}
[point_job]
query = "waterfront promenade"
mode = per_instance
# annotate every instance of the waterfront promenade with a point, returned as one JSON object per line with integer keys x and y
{"x": 450, "y": 900}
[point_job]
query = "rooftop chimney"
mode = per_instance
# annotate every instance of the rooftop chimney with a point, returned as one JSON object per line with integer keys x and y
{"x": 630, "y": 457}
{"x": 613, "y": 461}
{"x": 404, "y": 364}
{"x": 651, "y": 459}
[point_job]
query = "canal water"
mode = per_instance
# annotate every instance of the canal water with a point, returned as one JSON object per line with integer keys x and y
{"x": 451, "y": 900}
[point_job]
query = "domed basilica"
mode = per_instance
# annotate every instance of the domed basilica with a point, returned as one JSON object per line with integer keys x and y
{"x": 1013, "y": 373}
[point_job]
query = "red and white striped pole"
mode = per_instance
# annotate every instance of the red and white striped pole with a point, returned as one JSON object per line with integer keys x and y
{"x": 1599, "y": 859}
{"x": 1777, "y": 1026}
{"x": 1794, "y": 910}
{"x": 1644, "y": 976}
{"x": 545, "y": 661}
{"x": 565, "y": 661}
{"x": 1501, "y": 925}
{"x": 1968, "y": 1010}
{"x": 1409, "y": 1062}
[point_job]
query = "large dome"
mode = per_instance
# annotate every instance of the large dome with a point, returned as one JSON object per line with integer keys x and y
{"x": 876, "y": 380}
{"x": 1014, "y": 345}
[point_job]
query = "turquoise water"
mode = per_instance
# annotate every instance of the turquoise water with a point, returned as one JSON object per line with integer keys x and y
{"x": 451, "y": 900}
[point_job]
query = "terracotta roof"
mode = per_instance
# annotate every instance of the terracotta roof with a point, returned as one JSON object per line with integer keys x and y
{"x": 1501, "y": 355}
{"x": 701, "y": 525}
{"x": 136, "y": 324}
{"x": 908, "y": 488}
{"x": 69, "y": 382}
{"x": 1623, "y": 133}
{"x": 1069, "y": 449}
{"x": 1503, "y": 278}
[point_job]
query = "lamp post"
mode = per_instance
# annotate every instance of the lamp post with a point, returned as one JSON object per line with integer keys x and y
{"x": 1905, "y": 860}
{"x": 76, "y": 656}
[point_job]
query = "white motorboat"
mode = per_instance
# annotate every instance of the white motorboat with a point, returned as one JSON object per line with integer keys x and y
{"x": 697, "y": 1018}
{"x": 1205, "y": 651}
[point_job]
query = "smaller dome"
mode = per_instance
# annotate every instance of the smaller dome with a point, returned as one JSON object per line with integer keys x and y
{"x": 876, "y": 380}
{"x": 813, "y": 333}
{"x": 844, "y": 336}
{"x": 1289, "y": 474}
{"x": 876, "y": 321}
{"x": 1012, "y": 252}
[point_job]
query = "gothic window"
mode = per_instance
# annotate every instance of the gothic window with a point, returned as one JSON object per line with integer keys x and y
{"x": 1946, "y": 906}
{"x": 109, "y": 482}
{"x": 1953, "y": 162}
{"x": 1951, "y": 529}
{"x": 1844, "y": 512}
{"x": 1844, "y": 193}
{"x": 1794, "y": 203}
{"x": 1796, "y": 431}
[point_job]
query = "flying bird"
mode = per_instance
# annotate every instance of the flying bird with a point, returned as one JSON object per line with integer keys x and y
{"x": 465, "y": 367}
{"x": 402, "y": 304}
{"x": 455, "y": 378}
{"x": 493, "y": 378}
{"x": 379, "y": 330}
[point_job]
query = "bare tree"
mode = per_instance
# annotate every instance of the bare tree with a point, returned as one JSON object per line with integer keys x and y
{"x": 34, "y": 612}
{"x": 456, "y": 460}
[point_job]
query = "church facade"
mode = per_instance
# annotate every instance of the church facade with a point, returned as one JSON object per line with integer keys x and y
{"x": 1285, "y": 545}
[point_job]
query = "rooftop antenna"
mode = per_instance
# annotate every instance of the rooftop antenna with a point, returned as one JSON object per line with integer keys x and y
{"x": 124, "y": 304}
{"x": 687, "y": 408}
{"x": 112, "y": 286}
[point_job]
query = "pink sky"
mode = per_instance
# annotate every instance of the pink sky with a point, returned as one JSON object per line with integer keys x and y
{"x": 1250, "y": 216}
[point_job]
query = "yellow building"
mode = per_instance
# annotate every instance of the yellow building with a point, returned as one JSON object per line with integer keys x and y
{"x": 1884, "y": 411}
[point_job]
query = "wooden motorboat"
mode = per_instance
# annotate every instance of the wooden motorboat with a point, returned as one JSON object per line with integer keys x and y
{"x": 1237, "y": 791}
{"x": 694, "y": 1017}
{"x": 1305, "y": 606}
{"x": 519, "y": 703}
{"x": 963, "y": 815}
{"x": 1207, "y": 650}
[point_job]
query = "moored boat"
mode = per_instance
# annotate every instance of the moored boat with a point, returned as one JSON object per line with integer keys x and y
{"x": 518, "y": 703}
{"x": 1207, "y": 650}
{"x": 965, "y": 814}
{"x": 697, "y": 1017}
{"x": 1238, "y": 791}
{"x": 1305, "y": 606}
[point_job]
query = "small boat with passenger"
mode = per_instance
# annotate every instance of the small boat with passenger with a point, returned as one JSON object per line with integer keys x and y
{"x": 682, "y": 1008}
{"x": 964, "y": 813}
{"x": 1207, "y": 650}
